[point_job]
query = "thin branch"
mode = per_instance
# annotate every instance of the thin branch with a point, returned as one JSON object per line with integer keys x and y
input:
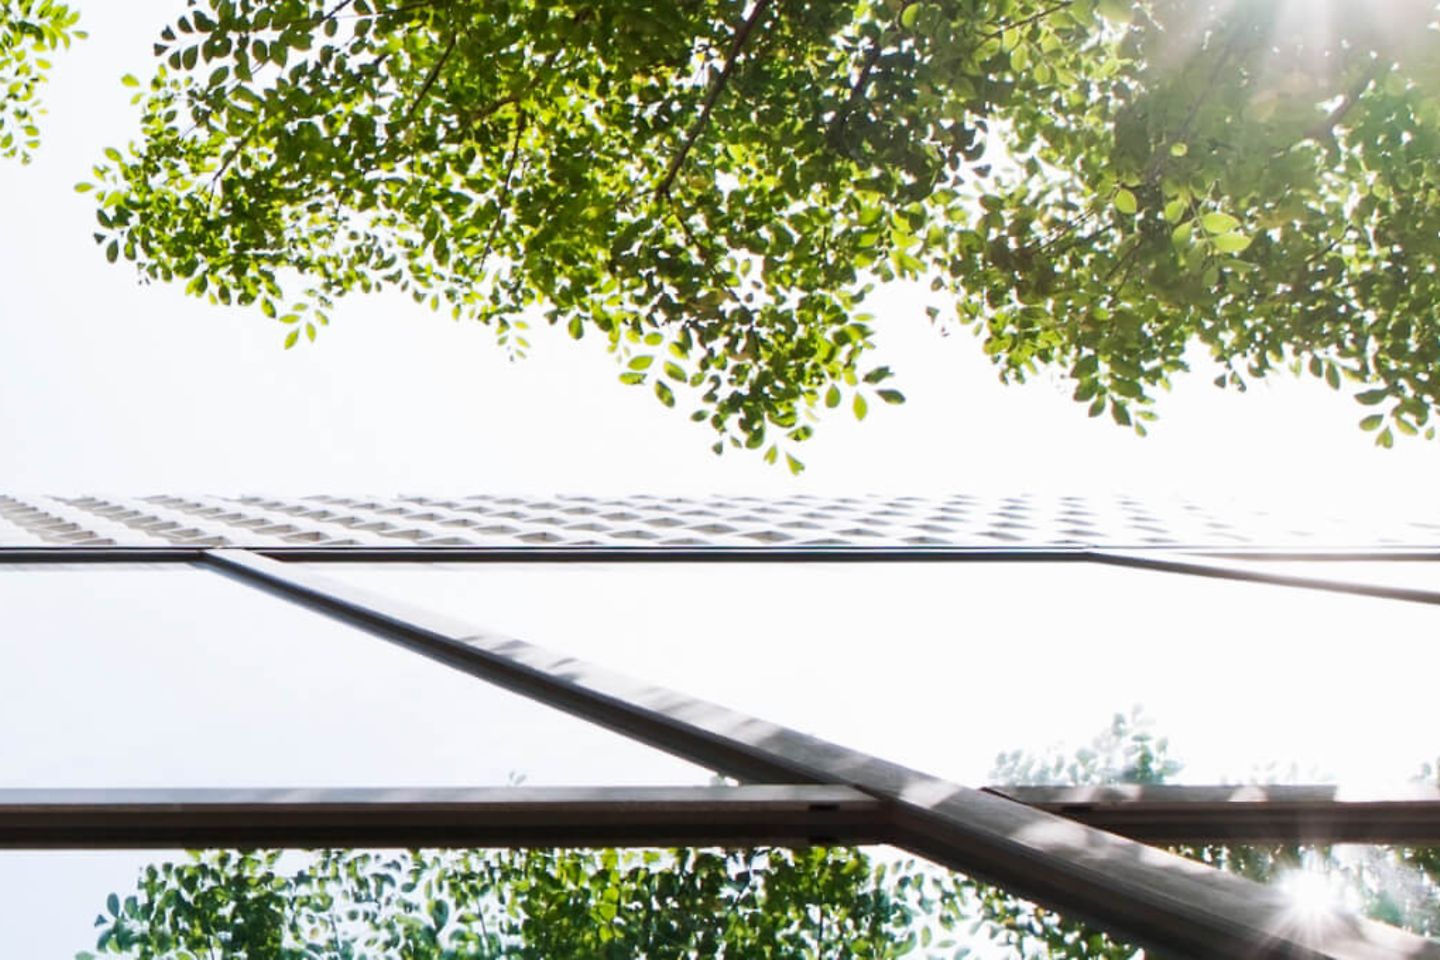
{"x": 1124, "y": 261}
{"x": 430, "y": 79}
{"x": 737, "y": 45}
{"x": 491, "y": 108}
{"x": 336, "y": 10}
{"x": 857, "y": 93}
{"x": 1026, "y": 21}
{"x": 706, "y": 257}
{"x": 503, "y": 197}
{"x": 235, "y": 152}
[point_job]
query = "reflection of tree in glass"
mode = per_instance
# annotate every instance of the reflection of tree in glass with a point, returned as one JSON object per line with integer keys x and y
{"x": 774, "y": 903}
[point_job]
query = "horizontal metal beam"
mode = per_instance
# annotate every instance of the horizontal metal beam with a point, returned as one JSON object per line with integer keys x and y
{"x": 1177, "y": 907}
{"x": 499, "y": 816}
{"x": 541, "y": 553}
{"x": 74, "y": 554}
{"x": 601, "y": 553}
{"x": 1245, "y": 814}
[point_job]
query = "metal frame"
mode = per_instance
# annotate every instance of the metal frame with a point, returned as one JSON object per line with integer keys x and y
{"x": 1171, "y": 813}
{"x": 1045, "y": 845}
{"x": 471, "y": 817}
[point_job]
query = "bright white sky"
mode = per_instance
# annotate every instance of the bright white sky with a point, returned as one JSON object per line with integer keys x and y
{"x": 111, "y": 387}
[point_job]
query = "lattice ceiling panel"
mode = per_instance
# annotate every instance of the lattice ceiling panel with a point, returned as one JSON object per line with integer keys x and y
{"x": 797, "y": 521}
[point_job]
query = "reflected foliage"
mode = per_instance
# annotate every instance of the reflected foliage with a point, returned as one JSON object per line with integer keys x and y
{"x": 513, "y": 904}
{"x": 777, "y": 903}
{"x": 714, "y": 187}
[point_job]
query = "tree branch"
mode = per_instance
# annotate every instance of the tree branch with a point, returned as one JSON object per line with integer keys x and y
{"x": 737, "y": 45}
{"x": 336, "y": 10}
{"x": 857, "y": 92}
{"x": 430, "y": 79}
{"x": 1026, "y": 21}
{"x": 503, "y": 197}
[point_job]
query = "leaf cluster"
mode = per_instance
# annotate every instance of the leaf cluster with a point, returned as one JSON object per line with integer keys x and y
{"x": 30, "y": 30}
{"x": 662, "y": 905}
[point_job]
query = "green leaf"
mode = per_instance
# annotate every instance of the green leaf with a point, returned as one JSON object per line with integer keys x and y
{"x": 860, "y": 407}
{"x": 1218, "y": 222}
{"x": 641, "y": 362}
{"x": 1371, "y": 397}
{"x": 1231, "y": 243}
{"x": 1372, "y": 422}
{"x": 891, "y": 396}
{"x": 291, "y": 338}
{"x": 1125, "y": 201}
{"x": 832, "y": 396}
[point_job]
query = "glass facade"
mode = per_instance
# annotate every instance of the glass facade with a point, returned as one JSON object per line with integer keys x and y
{"x": 175, "y": 676}
{"x": 944, "y": 666}
{"x": 238, "y": 671}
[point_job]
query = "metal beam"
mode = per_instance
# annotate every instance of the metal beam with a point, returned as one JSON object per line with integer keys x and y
{"x": 1245, "y": 814}
{"x": 604, "y": 553}
{"x": 542, "y": 553}
{"x": 1202, "y": 567}
{"x": 498, "y": 816}
{"x": 1178, "y": 907}
{"x": 74, "y": 554}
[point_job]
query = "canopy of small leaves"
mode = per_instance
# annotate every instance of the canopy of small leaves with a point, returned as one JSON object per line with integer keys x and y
{"x": 715, "y": 185}
{"x": 813, "y": 903}
{"x": 29, "y": 31}
{"x": 516, "y": 905}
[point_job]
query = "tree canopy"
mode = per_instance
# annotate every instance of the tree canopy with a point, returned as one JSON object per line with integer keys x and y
{"x": 715, "y": 186}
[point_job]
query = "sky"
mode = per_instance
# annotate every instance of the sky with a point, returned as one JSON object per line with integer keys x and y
{"x": 111, "y": 387}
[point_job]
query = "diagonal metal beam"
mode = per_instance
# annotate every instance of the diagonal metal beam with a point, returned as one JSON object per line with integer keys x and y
{"x": 496, "y": 816}
{"x": 1245, "y": 814}
{"x": 1219, "y": 569}
{"x": 1180, "y": 908}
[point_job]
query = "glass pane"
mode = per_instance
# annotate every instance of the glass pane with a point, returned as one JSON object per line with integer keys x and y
{"x": 944, "y": 666}
{"x": 168, "y": 675}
